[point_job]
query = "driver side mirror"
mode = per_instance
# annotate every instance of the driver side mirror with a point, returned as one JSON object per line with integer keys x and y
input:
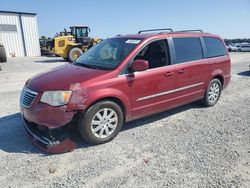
{"x": 139, "y": 65}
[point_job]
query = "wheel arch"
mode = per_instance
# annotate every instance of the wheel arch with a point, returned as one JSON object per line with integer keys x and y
{"x": 218, "y": 73}
{"x": 113, "y": 99}
{"x": 220, "y": 77}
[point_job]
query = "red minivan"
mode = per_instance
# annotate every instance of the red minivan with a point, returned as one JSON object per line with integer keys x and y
{"x": 122, "y": 79}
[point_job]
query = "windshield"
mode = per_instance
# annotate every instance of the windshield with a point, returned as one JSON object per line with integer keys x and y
{"x": 81, "y": 32}
{"x": 108, "y": 54}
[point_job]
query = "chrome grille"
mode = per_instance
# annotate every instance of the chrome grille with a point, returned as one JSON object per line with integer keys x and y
{"x": 27, "y": 97}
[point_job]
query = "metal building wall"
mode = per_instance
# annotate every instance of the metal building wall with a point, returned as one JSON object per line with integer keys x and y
{"x": 31, "y": 37}
{"x": 12, "y": 40}
{"x": 25, "y": 40}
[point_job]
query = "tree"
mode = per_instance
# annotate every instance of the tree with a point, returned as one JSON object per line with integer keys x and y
{"x": 43, "y": 37}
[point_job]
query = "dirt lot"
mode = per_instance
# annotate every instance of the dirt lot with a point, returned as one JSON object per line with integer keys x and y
{"x": 189, "y": 146}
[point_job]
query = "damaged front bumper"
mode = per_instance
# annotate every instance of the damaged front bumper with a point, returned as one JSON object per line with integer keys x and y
{"x": 50, "y": 140}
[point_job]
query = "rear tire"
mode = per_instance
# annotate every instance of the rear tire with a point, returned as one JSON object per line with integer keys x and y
{"x": 3, "y": 57}
{"x": 101, "y": 122}
{"x": 213, "y": 93}
{"x": 74, "y": 53}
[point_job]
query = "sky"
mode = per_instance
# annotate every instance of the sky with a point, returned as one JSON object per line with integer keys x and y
{"x": 107, "y": 18}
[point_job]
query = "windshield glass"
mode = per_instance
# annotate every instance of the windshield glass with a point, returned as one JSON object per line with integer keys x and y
{"x": 81, "y": 32}
{"x": 108, "y": 54}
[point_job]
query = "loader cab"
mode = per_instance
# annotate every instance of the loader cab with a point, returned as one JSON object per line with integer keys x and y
{"x": 81, "y": 34}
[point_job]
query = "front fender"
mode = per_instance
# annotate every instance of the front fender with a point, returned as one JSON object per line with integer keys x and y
{"x": 82, "y": 99}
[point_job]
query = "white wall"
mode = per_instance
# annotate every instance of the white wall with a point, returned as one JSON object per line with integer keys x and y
{"x": 13, "y": 41}
{"x": 31, "y": 37}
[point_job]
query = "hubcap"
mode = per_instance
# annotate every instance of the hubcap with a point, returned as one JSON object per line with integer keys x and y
{"x": 213, "y": 92}
{"x": 75, "y": 55}
{"x": 104, "y": 123}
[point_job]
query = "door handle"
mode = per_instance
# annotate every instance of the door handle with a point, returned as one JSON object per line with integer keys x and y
{"x": 167, "y": 74}
{"x": 182, "y": 71}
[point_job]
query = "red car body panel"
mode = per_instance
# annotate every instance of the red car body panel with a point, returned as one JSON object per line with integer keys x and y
{"x": 140, "y": 94}
{"x": 221, "y": 66}
{"x": 62, "y": 77}
{"x": 46, "y": 115}
{"x": 145, "y": 84}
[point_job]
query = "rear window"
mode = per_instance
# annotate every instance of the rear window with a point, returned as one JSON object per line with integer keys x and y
{"x": 215, "y": 47}
{"x": 187, "y": 49}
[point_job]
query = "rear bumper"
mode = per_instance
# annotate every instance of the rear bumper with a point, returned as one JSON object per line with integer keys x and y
{"x": 227, "y": 79}
{"x": 51, "y": 141}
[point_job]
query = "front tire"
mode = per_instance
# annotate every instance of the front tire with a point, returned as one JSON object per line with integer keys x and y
{"x": 101, "y": 122}
{"x": 74, "y": 53}
{"x": 213, "y": 93}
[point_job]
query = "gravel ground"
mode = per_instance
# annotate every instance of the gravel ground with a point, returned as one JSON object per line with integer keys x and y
{"x": 189, "y": 146}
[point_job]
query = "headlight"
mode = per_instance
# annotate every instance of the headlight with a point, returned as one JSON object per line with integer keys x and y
{"x": 56, "y": 98}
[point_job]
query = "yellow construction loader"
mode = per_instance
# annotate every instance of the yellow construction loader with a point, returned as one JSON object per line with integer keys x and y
{"x": 70, "y": 45}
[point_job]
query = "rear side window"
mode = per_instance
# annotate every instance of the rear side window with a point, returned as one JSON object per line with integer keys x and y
{"x": 215, "y": 47}
{"x": 187, "y": 49}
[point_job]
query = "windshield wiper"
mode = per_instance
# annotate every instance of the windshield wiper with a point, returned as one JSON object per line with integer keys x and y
{"x": 92, "y": 66}
{"x": 86, "y": 65}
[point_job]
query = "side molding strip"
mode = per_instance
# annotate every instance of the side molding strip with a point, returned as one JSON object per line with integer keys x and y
{"x": 169, "y": 92}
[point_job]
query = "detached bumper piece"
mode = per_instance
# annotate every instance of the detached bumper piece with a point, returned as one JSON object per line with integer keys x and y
{"x": 52, "y": 141}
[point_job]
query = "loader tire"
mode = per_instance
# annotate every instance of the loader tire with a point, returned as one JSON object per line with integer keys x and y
{"x": 74, "y": 53}
{"x": 2, "y": 54}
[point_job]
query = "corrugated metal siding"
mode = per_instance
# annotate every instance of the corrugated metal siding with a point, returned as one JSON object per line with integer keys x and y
{"x": 31, "y": 36}
{"x": 11, "y": 40}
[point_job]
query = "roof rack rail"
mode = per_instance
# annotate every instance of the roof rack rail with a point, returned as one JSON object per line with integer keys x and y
{"x": 167, "y": 29}
{"x": 193, "y": 30}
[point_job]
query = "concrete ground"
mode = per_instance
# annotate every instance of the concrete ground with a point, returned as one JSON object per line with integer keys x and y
{"x": 189, "y": 146}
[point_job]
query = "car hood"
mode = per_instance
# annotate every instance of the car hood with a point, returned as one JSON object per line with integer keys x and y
{"x": 60, "y": 78}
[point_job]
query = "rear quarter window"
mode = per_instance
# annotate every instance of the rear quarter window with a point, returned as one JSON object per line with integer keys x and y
{"x": 215, "y": 47}
{"x": 187, "y": 49}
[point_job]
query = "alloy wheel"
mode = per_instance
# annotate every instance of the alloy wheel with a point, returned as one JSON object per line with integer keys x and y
{"x": 104, "y": 123}
{"x": 214, "y": 92}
